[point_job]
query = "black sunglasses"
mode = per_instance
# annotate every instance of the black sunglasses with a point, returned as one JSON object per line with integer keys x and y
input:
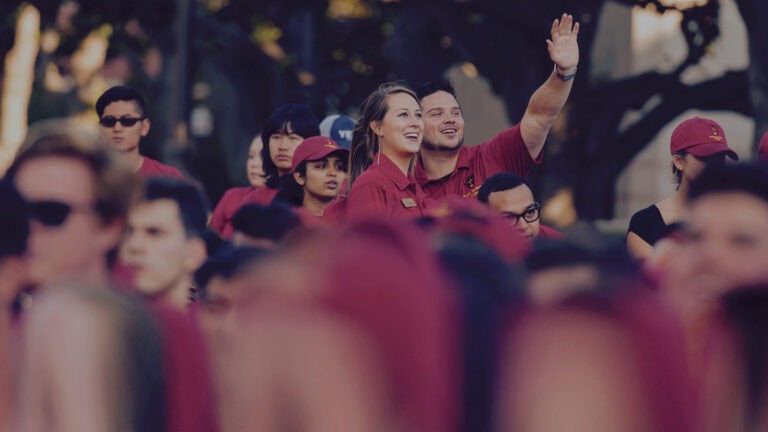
{"x": 125, "y": 121}
{"x": 52, "y": 213}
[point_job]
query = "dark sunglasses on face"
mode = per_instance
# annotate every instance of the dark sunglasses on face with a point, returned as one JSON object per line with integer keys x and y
{"x": 53, "y": 213}
{"x": 125, "y": 121}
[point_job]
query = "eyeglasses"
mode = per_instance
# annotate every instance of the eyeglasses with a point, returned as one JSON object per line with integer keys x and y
{"x": 53, "y": 213}
{"x": 531, "y": 214}
{"x": 124, "y": 121}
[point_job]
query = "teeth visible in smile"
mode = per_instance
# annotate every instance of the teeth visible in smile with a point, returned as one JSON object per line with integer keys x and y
{"x": 412, "y": 135}
{"x": 449, "y": 131}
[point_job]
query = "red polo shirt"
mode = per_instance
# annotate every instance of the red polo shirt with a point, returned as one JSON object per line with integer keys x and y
{"x": 230, "y": 203}
{"x": 505, "y": 152}
{"x": 152, "y": 168}
{"x": 383, "y": 191}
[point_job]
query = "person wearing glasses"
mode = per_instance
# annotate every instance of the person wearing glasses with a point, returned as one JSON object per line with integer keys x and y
{"x": 78, "y": 192}
{"x": 511, "y": 197}
{"x": 123, "y": 123}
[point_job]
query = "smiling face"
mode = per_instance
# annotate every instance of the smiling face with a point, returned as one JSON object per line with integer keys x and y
{"x": 124, "y": 138}
{"x": 443, "y": 122}
{"x": 282, "y": 144}
{"x": 401, "y": 130}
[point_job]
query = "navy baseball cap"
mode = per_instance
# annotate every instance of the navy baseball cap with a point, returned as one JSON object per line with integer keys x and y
{"x": 338, "y": 127}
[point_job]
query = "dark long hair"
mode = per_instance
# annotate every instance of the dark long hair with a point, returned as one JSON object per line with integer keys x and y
{"x": 302, "y": 122}
{"x": 365, "y": 143}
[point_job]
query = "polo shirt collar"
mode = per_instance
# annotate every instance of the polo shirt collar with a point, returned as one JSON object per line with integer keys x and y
{"x": 421, "y": 174}
{"x": 392, "y": 172}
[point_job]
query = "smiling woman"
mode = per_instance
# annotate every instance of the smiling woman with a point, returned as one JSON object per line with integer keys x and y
{"x": 386, "y": 138}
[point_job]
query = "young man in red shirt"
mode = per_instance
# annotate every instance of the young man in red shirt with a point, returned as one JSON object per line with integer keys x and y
{"x": 446, "y": 167}
{"x": 123, "y": 123}
{"x": 163, "y": 245}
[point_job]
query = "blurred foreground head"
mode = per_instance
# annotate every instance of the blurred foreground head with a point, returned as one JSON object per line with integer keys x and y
{"x": 594, "y": 363}
{"x": 78, "y": 192}
{"x": 728, "y": 227}
{"x": 91, "y": 361}
{"x": 345, "y": 330}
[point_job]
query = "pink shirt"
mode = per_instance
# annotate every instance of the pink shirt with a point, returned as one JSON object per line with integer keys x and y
{"x": 153, "y": 168}
{"x": 504, "y": 152}
{"x": 383, "y": 191}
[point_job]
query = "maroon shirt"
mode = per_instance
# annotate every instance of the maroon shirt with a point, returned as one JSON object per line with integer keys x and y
{"x": 383, "y": 191}
{"x": 549, "y": 232}
{"x": 505, "y": 152}
{"x": 153, "y": 168}
{"x": 230, "y": 203}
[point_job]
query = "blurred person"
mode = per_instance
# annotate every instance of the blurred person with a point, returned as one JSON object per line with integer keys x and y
{"x": 285, "y": 129}
{"x": 225, "y": 280}
{"x": 387, "y": 137}
{"x": 91, "y": 361}
{"x": 727, "y": 230}
{"x": 319, "y": 172}
{"x": 263, "y": 225}
{"x": 488, "y": 286}
{"x": 595, "y": 363}
{"x": 558, "y": 269}
{"x": 695, "y": 143}
{"x": 78, "y": 193}
{"x": 163, "y": 244}
{"x": 319, "y": 348}
{"x": 14, "y": 230}
{"x": 123, "y": 122}
{"x": 510, "y": 196}
{"x": 762, "y": 149}
{"x": 339, "y": 128}
{"x": 230, "y": 201}
{"x": 734, "y": 385}
{"x": 446, "y": 167}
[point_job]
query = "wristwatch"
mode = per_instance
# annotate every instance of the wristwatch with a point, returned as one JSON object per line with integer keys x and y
{"x": 565, "y": 77}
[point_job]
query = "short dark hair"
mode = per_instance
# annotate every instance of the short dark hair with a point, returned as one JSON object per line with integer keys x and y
{"x": 303, "y": 122}
{"x": 750, "y": 178}
{"x": 193, "y": 206}
{"x": 227, "y": 262}
{"x": 14, "y": 225}
{"x": 435, "y": 86}
{"x": 500, "y": 182}
{"x": 121, "y": 93}
{"x": 271, "y": 222}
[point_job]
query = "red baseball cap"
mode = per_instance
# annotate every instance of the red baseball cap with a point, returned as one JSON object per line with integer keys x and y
{"x": 762, "y": 150}
{"x": 700, "y": 137}
{"x": 314, "y": 148}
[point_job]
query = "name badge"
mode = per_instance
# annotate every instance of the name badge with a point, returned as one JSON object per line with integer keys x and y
{"x": 408, "y": 202}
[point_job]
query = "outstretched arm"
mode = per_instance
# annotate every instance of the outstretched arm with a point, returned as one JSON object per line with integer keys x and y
{"x": 548, "y": 100}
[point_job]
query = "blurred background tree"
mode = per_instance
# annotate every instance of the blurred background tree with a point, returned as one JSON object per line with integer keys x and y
{"x": 213, "y": 71}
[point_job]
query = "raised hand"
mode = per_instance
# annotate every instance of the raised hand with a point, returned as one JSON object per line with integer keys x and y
{"x": 563, "y": 47}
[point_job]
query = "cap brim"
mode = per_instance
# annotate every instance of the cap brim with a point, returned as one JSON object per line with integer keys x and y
{"x": 710, "y": 148}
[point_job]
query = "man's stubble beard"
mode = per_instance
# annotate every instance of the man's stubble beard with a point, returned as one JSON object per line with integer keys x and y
{"x": 430, "y": 146}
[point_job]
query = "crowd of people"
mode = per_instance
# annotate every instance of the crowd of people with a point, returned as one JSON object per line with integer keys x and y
{"x": 376, "y": 275}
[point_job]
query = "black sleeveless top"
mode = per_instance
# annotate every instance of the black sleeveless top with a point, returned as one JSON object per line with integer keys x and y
{"x": 648, "y": 224}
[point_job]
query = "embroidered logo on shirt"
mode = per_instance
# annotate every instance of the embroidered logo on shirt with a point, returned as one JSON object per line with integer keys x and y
{"x": 408, "y": 202}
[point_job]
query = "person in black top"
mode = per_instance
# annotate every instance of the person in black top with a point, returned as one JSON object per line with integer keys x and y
{"x": 695, "y": 143}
